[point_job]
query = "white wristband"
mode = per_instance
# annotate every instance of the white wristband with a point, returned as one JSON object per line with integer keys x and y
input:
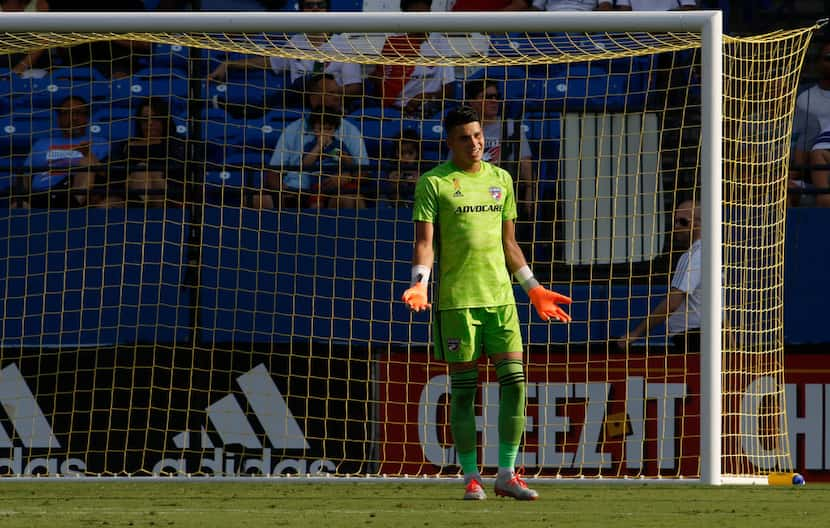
{"x": 420, "y": 273}
{"x": 525, "y": 278}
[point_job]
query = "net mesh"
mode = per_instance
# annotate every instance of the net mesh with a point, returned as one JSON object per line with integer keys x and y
{"x": 198, "y": 309}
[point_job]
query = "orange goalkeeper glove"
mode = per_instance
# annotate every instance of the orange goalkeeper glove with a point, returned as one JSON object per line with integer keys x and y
{"x": 546, "y": 301}
{"x": 416, "y": 297}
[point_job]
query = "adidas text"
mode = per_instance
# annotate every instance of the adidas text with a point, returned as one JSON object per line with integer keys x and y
{"x": 229, "y": 465}
{"x": 41, "y": 465}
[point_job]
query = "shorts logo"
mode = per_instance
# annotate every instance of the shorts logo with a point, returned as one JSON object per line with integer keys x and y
{"x": 453, "y": 344}
{"x": 495, "y": 192}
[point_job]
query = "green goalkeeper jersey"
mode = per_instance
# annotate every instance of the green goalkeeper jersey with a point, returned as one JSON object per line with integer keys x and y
{"x": 468, "y": 211}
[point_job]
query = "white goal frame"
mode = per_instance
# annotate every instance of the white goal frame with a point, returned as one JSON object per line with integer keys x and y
{"x": 707, "y": 23}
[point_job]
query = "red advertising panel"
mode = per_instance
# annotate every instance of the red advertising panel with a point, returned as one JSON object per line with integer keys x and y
{"x": 608, "y": 416}
{"x": 595, "y": 416}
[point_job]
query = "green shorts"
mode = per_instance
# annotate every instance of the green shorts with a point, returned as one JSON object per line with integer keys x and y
{"x": 460, "y": 335}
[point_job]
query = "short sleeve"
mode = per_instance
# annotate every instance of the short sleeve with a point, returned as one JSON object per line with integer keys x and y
{"x": 426, "y": 201}
{"x": 509, "y": 212}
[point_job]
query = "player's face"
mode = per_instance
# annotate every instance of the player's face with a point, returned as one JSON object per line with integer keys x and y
{"x": 490, "y": 102}
{"x": 152, "y": 125}
{"x": 824, "y": 62}
{"x": 409, "y": 151}
{"x": 467, "y": 145}
{"x": 326, "y": 94}
{"x": 686, "y": 224}
{"x": 73, "y": 117}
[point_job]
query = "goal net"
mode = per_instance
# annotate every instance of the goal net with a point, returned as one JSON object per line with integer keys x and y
{"x": 206, "y": 234}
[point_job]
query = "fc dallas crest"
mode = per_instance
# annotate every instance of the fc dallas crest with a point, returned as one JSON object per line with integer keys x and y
{"x": 495, "y": 192}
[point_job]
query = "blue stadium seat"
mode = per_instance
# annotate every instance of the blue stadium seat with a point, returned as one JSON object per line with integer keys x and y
{"x": 380, "y": 126}
{"x": 433, "y": 142}
{"x": 512, "y": 44}
{"x": 19, "y": 130}
{"x": 543, "y": 132}
{"x": 114, "y": 93}
{"x": 173, "y": 89}
{"x": 33, "y": 95}
{"x": 112, "y": 126}
{"x": 6, "y": 182}
{"x": 170, "y": 57}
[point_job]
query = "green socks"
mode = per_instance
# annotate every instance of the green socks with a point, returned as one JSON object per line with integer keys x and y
{"x": 464, "y": 386}
{"x": 511, "y": 377}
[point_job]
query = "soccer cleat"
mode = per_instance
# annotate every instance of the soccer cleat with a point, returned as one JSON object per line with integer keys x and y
{"x": 512, "y": 485}
{"x": 474, "y": 491}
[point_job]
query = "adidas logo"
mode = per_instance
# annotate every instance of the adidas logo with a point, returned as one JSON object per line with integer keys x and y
{"x": 27, "y": 420}
{"x": 233, "y": 427}
{"x": 29, "y": 427}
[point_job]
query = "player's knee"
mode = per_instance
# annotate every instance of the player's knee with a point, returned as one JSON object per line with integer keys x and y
{"x": 464, "y": 386}
{"x": 511, "y": 376}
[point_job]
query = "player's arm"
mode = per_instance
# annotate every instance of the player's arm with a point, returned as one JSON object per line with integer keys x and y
{"x": 545, "y": 301}
{"x": 422, "y": 258}
{"x": 656, "y": 317}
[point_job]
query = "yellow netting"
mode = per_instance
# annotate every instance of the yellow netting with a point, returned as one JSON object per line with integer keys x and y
{"x": 598, "y": 222}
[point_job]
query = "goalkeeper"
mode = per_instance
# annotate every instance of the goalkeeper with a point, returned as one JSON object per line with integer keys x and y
{"x": 468, "y": 208}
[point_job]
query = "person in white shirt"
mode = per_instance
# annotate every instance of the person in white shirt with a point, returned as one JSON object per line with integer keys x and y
{"x": 680, "y": 310}
{"x": 416, "y": 90}
{"x": 505, "y": 141}
{"x": 812, "y": 117}
{"x": 573, "y": 5}
{"x": 349, "y": 76}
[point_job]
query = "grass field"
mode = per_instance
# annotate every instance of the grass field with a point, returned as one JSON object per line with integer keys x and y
{"x": 400, "y": 505}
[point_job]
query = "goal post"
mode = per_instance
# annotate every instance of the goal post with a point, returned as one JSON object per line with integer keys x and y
{"x": 233, "y": 378}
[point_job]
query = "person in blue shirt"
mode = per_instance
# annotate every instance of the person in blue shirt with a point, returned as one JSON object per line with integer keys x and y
{"x": 296, "y": 167}
{"x": 65, "y": 163}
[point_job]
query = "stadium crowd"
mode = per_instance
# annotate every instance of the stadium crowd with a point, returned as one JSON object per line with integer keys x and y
{"x": 122, "y": 122}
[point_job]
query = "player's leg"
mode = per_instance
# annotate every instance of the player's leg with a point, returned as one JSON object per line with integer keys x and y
{"x": 456, "y": 342}
{"x": 503, "y": 341}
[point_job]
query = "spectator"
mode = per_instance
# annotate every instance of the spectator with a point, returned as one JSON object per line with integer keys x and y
{"x": 348, "y": 75}
{"x": 505, "y": 142}
{"x": 398, "y": 185}
{"x": 63, "y": 166}
{"x": 328, "y": 155}
{"x": 812, "y": 114}
{"x": 299, "y": 148}
{"x": 680, "y": 309}
{"x": 573, "y": 5}
{"x": 418, "y": 91}
{"x": 490, "y": 5}
{"x": 113, "y": 58}
{"x": 30, "y": 64}
{"x": 149, "y": 167}
{"x": 820, "y": 167}
{"x": 656, "y": 5}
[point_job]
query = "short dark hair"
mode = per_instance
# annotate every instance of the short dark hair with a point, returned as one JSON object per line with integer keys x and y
{"x": 476, "y": 87}
{"x": 460, "y": 116}
{"x": 406, "y": 5}
{"x": 158, "y": 108}
{"x": 74, "y": 97}
{"x": 409, "y": 135}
